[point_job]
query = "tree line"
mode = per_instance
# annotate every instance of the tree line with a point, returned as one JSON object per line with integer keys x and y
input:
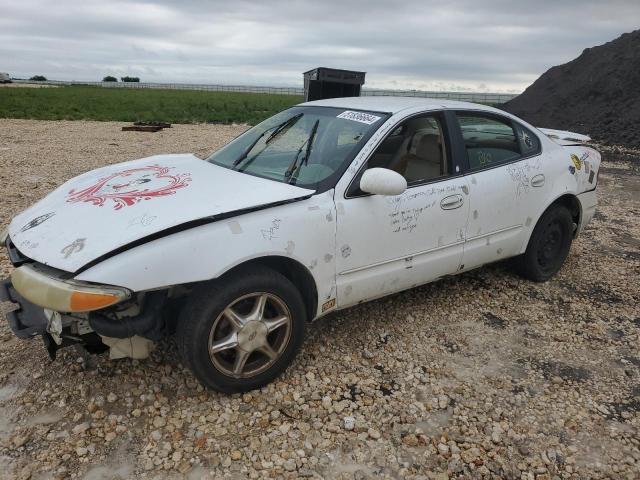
{"x": 108, "y": 78}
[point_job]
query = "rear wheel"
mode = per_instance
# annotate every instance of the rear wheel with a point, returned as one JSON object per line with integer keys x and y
{"x": 549, "y": 245}
{"x": 240, "y": 332}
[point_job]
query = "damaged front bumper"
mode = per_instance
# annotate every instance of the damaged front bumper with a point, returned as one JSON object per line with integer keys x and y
{"x": 41, "y": 295}
{"x": 44, "y": 306}
{"x": 26, "y": 321}
{"x": 29, "y": 320}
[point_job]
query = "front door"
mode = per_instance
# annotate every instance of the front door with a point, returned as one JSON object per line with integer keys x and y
{"x": 390, "y": 243}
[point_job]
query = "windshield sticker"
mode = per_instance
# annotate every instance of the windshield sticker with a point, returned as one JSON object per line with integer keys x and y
{"x": 128, "y": 187}
{"x": 359, "y": 117}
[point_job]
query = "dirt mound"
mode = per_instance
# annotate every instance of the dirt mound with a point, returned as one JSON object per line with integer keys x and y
{"x": 598, "y": 94}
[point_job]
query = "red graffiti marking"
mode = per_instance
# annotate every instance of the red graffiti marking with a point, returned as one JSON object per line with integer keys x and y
{"x": 131, "y": 186}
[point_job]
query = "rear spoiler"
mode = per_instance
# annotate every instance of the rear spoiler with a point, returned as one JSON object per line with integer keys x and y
{"x": 565, "y": 138}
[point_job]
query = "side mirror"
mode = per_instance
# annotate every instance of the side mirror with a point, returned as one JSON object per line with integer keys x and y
{"x": 382, "y": 181}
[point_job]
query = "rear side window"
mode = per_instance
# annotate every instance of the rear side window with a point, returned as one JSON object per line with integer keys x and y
{"x": 488, "y": 141}
{"x": 529, "y": 142}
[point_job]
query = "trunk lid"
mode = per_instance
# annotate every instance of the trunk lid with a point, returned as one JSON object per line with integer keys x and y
{"x": 564, "y": 137}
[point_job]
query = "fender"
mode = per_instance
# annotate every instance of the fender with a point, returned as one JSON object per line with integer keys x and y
{"x": 573, "y": 167}
{"x": 302, "y": 231}
{"x": 185, "y": 226}
{"x": 576, "y": 203}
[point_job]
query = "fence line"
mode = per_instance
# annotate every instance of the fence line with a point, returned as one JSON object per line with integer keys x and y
{"x": 480, "y": 97}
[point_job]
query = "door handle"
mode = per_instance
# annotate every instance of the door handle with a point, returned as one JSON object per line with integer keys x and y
{"x": 538, "y": 180}
{"x": 451, "y": 202}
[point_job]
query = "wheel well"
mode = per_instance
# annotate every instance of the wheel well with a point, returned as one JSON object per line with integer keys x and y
{"x": 298, "y": 274}
{"x": 572, "y": 204}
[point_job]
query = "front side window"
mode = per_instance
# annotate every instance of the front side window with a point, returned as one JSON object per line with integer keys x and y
{"x": 301, "y": 146}
{"x": 489, "y": 141}
{"x": 416, "y": 149}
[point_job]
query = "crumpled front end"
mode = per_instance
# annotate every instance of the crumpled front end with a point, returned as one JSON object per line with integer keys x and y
{"x": 51, "y": 304}
{"x": 27, "y": 319}
{"x": 57, "y": 330}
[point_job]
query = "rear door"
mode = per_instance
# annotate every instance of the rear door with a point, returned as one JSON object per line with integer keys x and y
{"x": 504, "y": 170}
{"x": 390, "y": 243}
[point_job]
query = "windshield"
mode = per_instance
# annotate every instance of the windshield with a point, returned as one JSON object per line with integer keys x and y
{"x": 301, "y": 146}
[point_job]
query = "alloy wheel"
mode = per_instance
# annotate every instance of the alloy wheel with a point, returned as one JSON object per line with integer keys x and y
{"x": 250, "y": 335}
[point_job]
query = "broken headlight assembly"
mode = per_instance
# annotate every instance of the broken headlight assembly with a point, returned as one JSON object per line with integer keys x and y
{"x": 43, "y": 288}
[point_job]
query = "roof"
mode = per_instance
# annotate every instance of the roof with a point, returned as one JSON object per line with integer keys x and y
{"x": 394, "y": 104}
{"x": 328, "y": 69}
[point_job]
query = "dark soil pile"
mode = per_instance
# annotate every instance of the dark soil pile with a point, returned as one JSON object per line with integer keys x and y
{"x": 597, "y": 94}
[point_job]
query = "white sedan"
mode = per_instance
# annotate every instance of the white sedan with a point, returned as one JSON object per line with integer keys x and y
{"x": 320, "y": 207}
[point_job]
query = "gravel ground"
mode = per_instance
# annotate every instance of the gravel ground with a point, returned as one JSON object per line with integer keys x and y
{"x": 481, "y": 376}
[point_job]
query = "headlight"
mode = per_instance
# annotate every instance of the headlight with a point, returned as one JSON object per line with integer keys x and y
{"x": 64, "y": 295}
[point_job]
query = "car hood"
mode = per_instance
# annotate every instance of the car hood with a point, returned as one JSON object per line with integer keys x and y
{"x": 106, "y": 209}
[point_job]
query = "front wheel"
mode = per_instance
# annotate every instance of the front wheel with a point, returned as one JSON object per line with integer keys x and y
{"x": 549, "y": 245}
{"x": 240, "y": 332}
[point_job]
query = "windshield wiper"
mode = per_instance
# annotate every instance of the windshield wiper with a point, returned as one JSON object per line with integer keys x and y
{"x": 294, "y": 167}
{"x": 276, "y": 131}
{"x": 284, "y": 125}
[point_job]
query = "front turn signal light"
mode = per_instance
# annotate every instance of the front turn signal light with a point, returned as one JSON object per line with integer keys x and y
{"x": 85, "y": 302}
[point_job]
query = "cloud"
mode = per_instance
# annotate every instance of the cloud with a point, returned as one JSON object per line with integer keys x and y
{"x": 490, "y": 45}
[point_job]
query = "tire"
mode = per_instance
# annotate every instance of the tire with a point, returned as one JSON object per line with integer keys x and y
{"x": 549, "y": 245}
{"x": 219, "y": 309}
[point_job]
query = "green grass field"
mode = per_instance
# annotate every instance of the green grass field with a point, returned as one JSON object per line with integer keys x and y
{"x": 129, "y": 105}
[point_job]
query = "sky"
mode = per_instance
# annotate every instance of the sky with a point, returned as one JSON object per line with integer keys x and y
{"x": 451, "y": 45}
